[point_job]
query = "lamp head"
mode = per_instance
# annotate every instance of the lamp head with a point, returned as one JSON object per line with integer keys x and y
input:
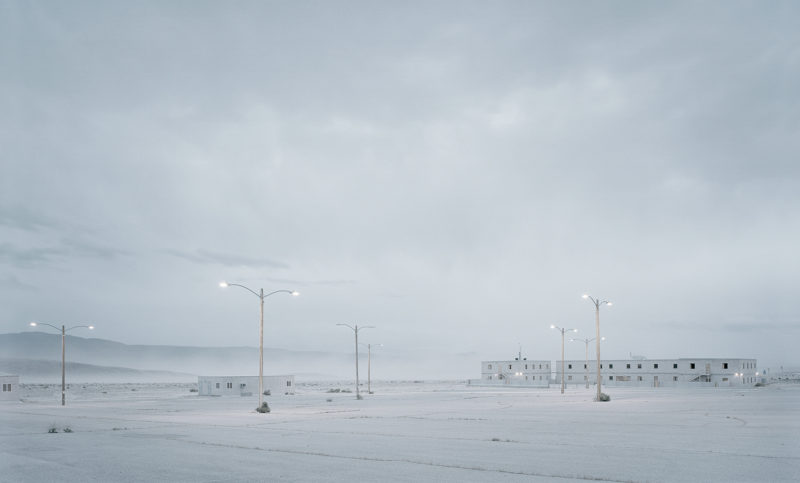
{"x": 32, "y": 324}
{"x": 223, "y": 284}
{"x": 574, "y": 330}
{"x": 91, "y": 327}
{"x": 295, "y": 293}
{"x": 586, "y": 296}
{"x": 552, "y": 326}
{"x": 602, "y": 338}
{"x": 609, "y": 303}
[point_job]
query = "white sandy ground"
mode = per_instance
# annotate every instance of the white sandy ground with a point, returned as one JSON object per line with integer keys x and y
{"x": 403, "y": 432}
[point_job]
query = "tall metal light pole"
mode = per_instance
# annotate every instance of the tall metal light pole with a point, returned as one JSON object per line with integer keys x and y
{"x": 587, "y": 355}
{"x": 369, "y": 366}
{"x": 64, "y": 331}
{"x": 355, "y": 331}
{"x": 261, "y": 295}
{"x": 597, "y": 303}
{"x": 562, "y": 351}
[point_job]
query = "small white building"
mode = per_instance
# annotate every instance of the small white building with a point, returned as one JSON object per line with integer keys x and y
{"x": 243, "y": 385}
{"x": 684, "y": 372}
{"x": 10, "y": 387}
{"x": 514, "y": 373}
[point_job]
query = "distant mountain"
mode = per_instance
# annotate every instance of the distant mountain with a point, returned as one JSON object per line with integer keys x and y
{"x": 39, "y": 371}
{"x": 307, "y": 365}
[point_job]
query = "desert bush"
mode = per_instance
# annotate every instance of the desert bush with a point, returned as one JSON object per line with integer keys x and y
{"x": 268, "y": 393}
{"x": 67, "y": 429}
{"x": 264, "y": 408}
{"x": 334, "y": 390}
{"x": 604, "y": 397}
{"x": 52, "y": 429}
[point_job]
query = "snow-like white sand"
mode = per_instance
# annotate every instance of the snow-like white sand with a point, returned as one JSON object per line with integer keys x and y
{"x": 403, "y": 432}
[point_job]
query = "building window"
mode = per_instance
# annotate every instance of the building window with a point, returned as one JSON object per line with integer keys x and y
{"x": 638, "y": 366}
{"x": 611, "y": 366}
{"x": 655, "y": 366}
{"x": 584, "y": 366}
{"x": 490, "y": 366}
{"x": 217, "y": 385}
{"x": 569, "y": 366}
{"x": 638, "y": 378}
{"x": 242, "y": 386}
{"x": 628, "y": 366}
{"x": 288, "y": 383}
{"x": 724, "y": 379}
{"x": 569, "y": 378}
{"x": 724, "y": 365}
{"x": 610, "y": 378}
{"x": 6, "y": 387}
{"x": 526, "y": 366}
{"x": 675, "y": 378}
{"x": 674, "y": 366}
{"x": 230, "y": 385}
{"x": 691, "y": 365}
{"x": 509, "y": 366}
{"x": 601, "y": 366}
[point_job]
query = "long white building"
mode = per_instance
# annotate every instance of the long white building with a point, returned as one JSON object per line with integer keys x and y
{"x": 685, "y": 372}
{"x": 243, "y": 385}
{"x": 514, "y": 373}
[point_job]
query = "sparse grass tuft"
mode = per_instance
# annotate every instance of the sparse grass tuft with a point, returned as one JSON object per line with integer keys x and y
{"x": 264, "y": 407}
{"x": 604, "y": 397}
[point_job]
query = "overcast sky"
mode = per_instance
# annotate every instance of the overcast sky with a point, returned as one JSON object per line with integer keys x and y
{"x": 456, "y": 174}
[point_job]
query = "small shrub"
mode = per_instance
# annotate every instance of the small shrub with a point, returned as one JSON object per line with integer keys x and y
{"x": 334, "y": 390}
{"x": 760, "y": 384}
{"x": 52, "y": 429}
{"x": 192, "y": 390}
{"x": 604, "y": 397}
{"x": 359, "y": 397}
{"x": 264, "y": 407}
{"x": 67, "y": 429}
{"x": 267, "y": 393}
{"x": 329, "y": 400}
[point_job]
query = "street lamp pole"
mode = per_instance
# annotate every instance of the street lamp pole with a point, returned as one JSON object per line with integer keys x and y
{"x": 369, "y": 367}
{"x": 261, "y": 295}
{"x": 63, "y": 331}
{"x": 355, "y": 330}
{"x": 597, "y": 303}
{"x": 586, "y": 365}
{"x": 562, "y": 351}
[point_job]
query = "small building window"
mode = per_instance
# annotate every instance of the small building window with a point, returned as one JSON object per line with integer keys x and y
{"x": 569, "y": 378}
{"x": 611, "y": 366}
{"x": 655, "y": 366}
{"x": 509, "y": 366}
{"x": 675, "y": 378}
{"x": 724, "y": 379}
{"x": 569, "y": 366}
{"x": 217, "y": 385}
{"x": 242, "y": 386}
{"x": 724, "y": 365}
{"x": 691, "y": 365}
{"x": 288, "y": 383}
{"x": 490, "y": 366}
{"x": 638, "y": 366}
{"x": 638, "y": 378}
{"x": 610, "y": 378}
{"x": 674, "y": 366}
{"x": 628, "y": 366}
{"x": 230, "y": 385}
{"x": 601, "y": 366}
{"x": 584, "y": 366}
{"x": 526, "y": 366}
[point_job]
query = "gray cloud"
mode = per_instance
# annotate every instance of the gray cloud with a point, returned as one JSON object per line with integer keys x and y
{"x": 229, "y": 260}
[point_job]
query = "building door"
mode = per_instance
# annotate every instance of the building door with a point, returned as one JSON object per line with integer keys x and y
{"x": 655, "y": 381}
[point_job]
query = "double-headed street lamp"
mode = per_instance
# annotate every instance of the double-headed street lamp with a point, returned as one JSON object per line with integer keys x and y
{"x": 261, "y": 295}
{"x": 597, "y": 303}
{"x": 355, "y": 331}
{"x": 586, "y": 365}
{"x": 64, "y": 331}
{"x": 562, "y": 351}
{"x": 369, "y": 366}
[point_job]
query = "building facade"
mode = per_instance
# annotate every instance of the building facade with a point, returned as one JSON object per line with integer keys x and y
{"x": 10, "y": 385}
{"x": 243, "y": 385}
{"x": 685, "y": 372}
{"x": 514, "y": 373}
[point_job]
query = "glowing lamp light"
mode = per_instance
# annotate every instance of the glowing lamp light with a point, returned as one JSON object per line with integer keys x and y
{"x": 223, "y": 284}
{"x": 295, "y": 293}
{"x": 585, "y": 296}
{"x": 33, "y": 324}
